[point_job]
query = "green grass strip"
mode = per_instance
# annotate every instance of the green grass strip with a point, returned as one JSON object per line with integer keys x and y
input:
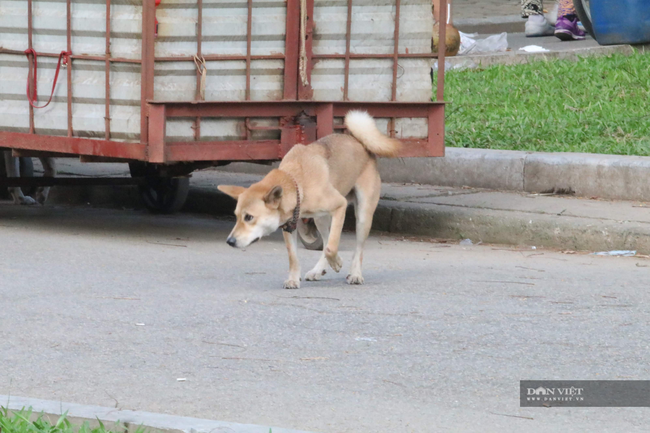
{"x": 23, "y": 422}
{"x": 594, "y": 105}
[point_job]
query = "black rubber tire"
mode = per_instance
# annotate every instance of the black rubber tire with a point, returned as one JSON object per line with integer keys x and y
{"x": 26, "y": 170}
{"x": 309, "y": 235}
{"x": 160, "y": 194}
{"x": 584, "y": 15}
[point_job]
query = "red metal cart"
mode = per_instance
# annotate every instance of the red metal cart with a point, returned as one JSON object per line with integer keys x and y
{"x": 259, "y": 125}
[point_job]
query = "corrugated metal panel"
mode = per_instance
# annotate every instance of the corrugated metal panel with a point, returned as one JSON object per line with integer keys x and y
{"x": 224, "y": 33}
{"x": 88, "y": 77}
{"x": 372, "y": 32}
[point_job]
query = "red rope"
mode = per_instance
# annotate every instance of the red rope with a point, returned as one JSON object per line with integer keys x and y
{"x": 32, "y": 78}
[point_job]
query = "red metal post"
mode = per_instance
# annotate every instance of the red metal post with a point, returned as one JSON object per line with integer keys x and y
{"x": 289, "y": 135}
{"x": 305, "y": 91}
{"x": 291, "y": 50}
{"x": 398, "y": 5}
{"x": 69, "y": 69}
{"x": 249, "y": 36}
{"x": 147, "y": 69}
{"x": 348, "y": 37}
{"x": 393, "y": 97}
{"x": 436, "y": 141}
{"x": 199, "y": 54}
{"x": 324, "y": 120}
{"x": 107, "y": 76}
{"x": 442, "y": 48}
{"x": 157, "y": 127}
{"x": 30, "y": 34}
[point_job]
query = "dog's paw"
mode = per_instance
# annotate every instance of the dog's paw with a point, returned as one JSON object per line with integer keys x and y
{"x": 354, "y": 279}
{"x": 315, "y": 274}
{"x": 26, "y": 200}
{"x": 334, "y": 261}
{"x": 41, "y": 196}
{"x": 291, "y": 284}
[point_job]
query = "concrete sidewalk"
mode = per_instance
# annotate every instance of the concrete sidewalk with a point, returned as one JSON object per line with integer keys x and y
{"x": 482, "y": 215}
{"x": 489, "y": 17}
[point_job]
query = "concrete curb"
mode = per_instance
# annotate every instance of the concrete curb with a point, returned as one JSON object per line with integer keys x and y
{"x": 520, "y": 57}
{"x": 511, "y": 228}
{"x": 491, "y": 25}
{"x": 586, "y": 175}
{"x": 78, "y": 413}
{"x": 495, "y": 226}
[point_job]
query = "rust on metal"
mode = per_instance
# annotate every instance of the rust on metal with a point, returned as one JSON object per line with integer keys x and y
{"x": 305, "y": 91}
{"x": 324, "y": 120}
{"x": 30, "y": 37}
{"x": 393, "y": 94}
{"x": 220, "y": 57}
{"x": 157, "y": 128}
{"x": 376, "y": 56}
{"x": 291, "y": 51}
{"x": 249, "y": 37}
{"x": 442, "y": 47}
{"x": 69, "y": 62}
{"x": 242, "y": 150}
{"x": 300, "y": 119}
{"x": 199, "y": 55}
{"x": 107, "y": 71}
{"x": 348, "y": 38}
{"x": 74, "y": 56}
{"x": 147, "y": 69}
{"x": 73, "y": 145}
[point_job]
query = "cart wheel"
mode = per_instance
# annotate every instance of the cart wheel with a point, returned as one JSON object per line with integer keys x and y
{"x": 309, "y": 234}
{"x": 160, "y": 194}
{"x": 583, "y": 11}
{"x": 26, "y": 170}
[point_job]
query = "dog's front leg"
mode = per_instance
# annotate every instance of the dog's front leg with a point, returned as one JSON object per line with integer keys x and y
{"x": 290, "y": 240}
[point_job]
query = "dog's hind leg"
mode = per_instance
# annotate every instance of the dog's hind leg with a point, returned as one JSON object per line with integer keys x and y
{"x": 12, "y": 166}
{"x": 366, "y": 191}
{"x": 337, "y": 205}
{"x": 323, "y": 226}
{"x": 291, "y": 241}
{"x": 49, "y": 170}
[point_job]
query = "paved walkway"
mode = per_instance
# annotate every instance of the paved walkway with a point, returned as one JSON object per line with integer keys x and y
{"x": 124, "y": 309}
{"x": 479, "y": 9}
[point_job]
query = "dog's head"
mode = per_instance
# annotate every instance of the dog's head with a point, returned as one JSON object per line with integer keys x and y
{"x": 258, "y": 212}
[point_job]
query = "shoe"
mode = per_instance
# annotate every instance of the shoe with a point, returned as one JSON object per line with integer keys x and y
{"x": 568, "y": 30}
{"x": 538, "y": 25}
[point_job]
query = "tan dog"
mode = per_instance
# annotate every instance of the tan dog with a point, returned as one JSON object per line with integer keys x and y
{"x": 317, "y": 181}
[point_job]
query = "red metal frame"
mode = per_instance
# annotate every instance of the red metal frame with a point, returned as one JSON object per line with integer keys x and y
{"x": 297, "y": 104}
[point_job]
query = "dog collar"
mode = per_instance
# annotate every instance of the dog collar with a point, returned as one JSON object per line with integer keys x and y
{"x": 291, "y": 225}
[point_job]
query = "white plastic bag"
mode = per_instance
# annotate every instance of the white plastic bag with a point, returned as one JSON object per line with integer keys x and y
{"x": 491, "y": 44}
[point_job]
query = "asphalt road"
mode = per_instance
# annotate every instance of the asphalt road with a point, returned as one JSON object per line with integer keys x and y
{"x": 112, "y": 307}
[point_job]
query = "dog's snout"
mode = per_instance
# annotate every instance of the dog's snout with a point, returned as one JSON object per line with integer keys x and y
{"x": 231, "y": 241}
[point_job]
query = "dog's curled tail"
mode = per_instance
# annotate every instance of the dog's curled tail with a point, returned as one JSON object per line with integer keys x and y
{"x": 362, "y": 127}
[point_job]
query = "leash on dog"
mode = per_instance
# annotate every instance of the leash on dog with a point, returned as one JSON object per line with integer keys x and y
{"x": 32, "y": 96}
{"x": 291, "y": 225}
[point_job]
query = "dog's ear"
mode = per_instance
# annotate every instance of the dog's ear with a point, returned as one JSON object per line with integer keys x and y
{"x": 231, "y": 190}
{"x": 273, "y": 197}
